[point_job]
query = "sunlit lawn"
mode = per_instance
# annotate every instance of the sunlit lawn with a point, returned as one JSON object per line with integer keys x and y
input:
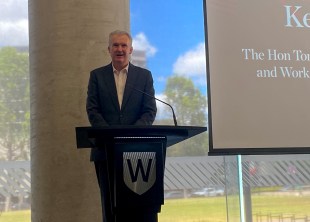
{"x": 299, "y": 205}
{"x": 212, "y": 209}
{"x": 15, "y": 216}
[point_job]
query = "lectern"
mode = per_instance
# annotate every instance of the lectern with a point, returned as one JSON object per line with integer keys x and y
{"x": 135, "y": 162}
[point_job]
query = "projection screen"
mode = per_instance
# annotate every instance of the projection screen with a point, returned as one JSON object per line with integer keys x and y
{"x": 258, "y": 73}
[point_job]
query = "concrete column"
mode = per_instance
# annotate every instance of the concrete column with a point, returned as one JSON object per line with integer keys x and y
{"x": 68, "y": 38}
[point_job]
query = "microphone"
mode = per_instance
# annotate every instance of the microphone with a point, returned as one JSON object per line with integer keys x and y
{"x": 153, "y": 97}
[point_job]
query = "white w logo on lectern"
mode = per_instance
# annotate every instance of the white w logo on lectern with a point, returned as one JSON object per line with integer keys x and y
{"x": 139, "y": 170}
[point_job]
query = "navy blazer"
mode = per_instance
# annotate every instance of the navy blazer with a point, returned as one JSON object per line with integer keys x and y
{"x": 102, "y": 103}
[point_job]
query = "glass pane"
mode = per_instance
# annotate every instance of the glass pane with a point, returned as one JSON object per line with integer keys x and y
{"x": 14, "y": 112}
{"x": 232, "y": 188}
{"x": 277, "y": 188}
{"x": 168, "y": 39}
{"x": 194, "y": 189}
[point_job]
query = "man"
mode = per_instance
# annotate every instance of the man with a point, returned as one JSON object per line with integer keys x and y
{"x": 114, "y": 99}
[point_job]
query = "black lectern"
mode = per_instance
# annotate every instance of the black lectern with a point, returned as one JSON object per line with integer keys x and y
{"x": 135, "y": 163}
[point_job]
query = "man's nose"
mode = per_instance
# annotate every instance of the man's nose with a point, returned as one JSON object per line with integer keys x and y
{"x": 119, "y": 48}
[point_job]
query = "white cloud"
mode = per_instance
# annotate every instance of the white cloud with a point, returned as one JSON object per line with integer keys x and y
{"x": 14, "y": 34}
{"x": 14, "y": 23}
{"x": 13, "y": 10}
{"x": 192, "y": 63}
{"x": 140, "y": 42}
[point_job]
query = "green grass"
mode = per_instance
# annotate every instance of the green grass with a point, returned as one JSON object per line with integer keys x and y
{"x": 298, "y": 205}
{"x": 194, "y": 210}
{"x": 214, "y": 209}
{"x": 211, "y": 209}
{"x": 15, "y": 216}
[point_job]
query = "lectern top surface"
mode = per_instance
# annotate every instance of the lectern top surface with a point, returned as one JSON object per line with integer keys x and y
{"x": 174, "y": 134}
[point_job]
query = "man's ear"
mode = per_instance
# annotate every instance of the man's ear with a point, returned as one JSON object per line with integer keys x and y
{"x": 131, "y": 49}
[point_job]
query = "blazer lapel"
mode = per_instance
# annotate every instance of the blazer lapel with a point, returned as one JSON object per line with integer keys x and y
{"x": 131, "y": 80}
{"x": 110, "y": 84}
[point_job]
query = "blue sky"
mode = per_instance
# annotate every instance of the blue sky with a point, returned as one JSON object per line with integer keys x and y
{"x": 174, "y": 31}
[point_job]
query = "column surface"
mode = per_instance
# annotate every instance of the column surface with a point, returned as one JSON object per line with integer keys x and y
{"x": 67, "y": 40}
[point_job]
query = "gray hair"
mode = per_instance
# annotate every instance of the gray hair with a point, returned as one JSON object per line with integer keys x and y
{"x": 119, "y": 32}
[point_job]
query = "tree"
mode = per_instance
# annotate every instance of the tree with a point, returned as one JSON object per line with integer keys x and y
{"x": 14, "y": 104}
{"x": 190, "y": 108}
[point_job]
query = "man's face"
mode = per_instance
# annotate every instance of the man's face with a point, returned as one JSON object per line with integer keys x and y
{"x": 120, "y": 49}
